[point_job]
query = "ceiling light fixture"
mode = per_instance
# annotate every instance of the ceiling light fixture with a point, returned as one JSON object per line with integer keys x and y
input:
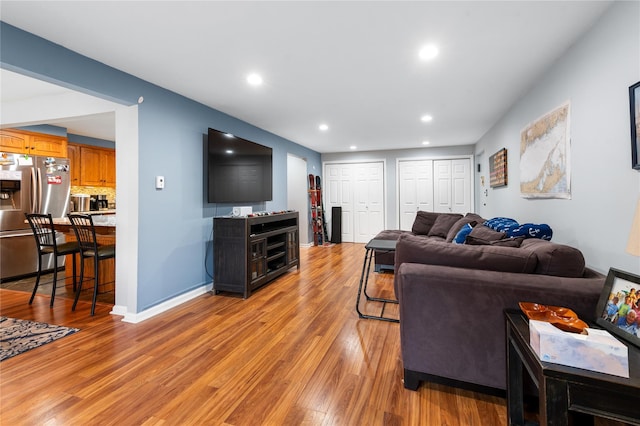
{"x": 426, "y": 118}
{"x": 425, "y": 142}
{"x": 323, "y": 127}
{"x": 353, "y": 147}
{"x": 428, "y": 52}
{"x": 254, "y": 79}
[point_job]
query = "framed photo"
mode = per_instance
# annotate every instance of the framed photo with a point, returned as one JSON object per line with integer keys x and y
{"x": 634, "y": 107}
{"x": 618, "y": 309}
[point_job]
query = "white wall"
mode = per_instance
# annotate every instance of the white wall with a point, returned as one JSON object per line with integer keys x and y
{"x": 594, "y": 75}
{"x": 297, "y": 195}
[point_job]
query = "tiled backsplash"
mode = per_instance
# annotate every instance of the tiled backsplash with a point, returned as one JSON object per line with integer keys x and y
{"x": 97, "y": 190}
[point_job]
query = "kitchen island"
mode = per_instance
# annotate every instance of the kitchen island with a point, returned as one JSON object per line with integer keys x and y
{"x": 105, "y": 224}
{"x": 105, "y": 234}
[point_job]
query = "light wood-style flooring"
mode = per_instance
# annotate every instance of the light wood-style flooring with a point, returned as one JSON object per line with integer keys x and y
{"x": 294, "y": 353}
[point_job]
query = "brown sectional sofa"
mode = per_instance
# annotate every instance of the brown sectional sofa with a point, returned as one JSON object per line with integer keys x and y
{"x": 452, "y": 298}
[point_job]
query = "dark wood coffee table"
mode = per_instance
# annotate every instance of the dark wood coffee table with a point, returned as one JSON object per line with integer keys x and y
{"x": 371, "y": 247}
{"x": 565, "y": 390}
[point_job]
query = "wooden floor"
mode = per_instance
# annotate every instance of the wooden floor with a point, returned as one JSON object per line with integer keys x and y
{"x": 294, "y": 353}
{"x": 64, "y": 287}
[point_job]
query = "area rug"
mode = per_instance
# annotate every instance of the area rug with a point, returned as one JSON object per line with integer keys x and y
{"x": 18, "y": 336}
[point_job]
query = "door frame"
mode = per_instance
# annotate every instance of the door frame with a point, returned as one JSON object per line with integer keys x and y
{"x": 297, "y": 199}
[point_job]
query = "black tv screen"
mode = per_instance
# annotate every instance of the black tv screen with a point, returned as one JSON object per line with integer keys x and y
{"x": 238, "y": 170}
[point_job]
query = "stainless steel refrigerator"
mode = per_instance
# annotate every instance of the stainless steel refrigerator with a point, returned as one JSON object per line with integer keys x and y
{"x": 29, "y": 185}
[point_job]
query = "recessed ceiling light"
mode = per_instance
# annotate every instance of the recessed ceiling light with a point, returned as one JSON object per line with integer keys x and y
{"x": 426, "y": 118}
{"x": 323, "y": 127}
{"x": 229, "y": 151}
{"x": 254, "y": 79}
{"x": 428, "y": 52}
{"x": 425, "y": 142}
{"x": 353, "y": 147}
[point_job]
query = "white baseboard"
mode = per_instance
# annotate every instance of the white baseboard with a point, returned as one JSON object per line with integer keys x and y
{"x": 118, "y": 310}
{"x": 135, "y": 318}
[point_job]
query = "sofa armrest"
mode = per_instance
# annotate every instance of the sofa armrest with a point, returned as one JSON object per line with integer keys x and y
{"x": 452, "y": 321}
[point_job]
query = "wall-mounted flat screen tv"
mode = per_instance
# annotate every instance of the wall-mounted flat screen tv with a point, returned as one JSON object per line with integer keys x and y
{"x": 238, "y": 170}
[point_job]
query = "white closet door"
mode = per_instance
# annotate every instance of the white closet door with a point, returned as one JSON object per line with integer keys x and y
{"x": 461, "y": 185}
{"x": 359, "y": 189}
{"x": 442, "y": 186}
{"x": 369, "y": 196}
{"x": 338, "y": 191}
{"x": 415, "y": 182}
{"x": 452, "y": 186}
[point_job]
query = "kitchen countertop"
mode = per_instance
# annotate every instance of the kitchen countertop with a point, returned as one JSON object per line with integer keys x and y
{"x": 97, "y": 212}
{"x": 98, "y": 220}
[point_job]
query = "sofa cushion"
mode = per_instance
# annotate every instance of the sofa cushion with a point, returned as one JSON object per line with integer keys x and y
{"x": 423, "y": 222}
{"x": 471, "y": 218}
{"x": 415, "y": 249}
{"x": 390, "y": 234}
{"x": 443, "y": 224}
{"x": 555, "y": 259}
{"x": 481, "y": 235}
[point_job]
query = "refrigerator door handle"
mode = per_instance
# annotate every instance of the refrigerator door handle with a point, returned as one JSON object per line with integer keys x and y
{"x": 39, "y": 192}
{"x": 34, "y": 191}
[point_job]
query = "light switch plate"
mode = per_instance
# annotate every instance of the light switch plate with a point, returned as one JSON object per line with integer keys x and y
{"x": 159, "y": 182}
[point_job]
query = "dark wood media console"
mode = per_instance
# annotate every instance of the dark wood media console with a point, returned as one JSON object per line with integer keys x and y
{"x": 249, "y": 252}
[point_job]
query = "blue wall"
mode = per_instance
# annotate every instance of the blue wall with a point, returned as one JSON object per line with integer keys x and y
{"x": 62, "y": 131}
{"x": 46, "y": 129}
{"x": 86, "y": 140}
{"x": 174, "y": 224}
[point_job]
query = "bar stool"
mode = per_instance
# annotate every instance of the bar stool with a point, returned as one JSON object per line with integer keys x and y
{"x": 89, "y": 248}
{"x": 45, "y": 235}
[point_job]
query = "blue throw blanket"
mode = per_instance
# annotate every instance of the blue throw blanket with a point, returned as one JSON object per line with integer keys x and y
{"x": 514, "y": 229}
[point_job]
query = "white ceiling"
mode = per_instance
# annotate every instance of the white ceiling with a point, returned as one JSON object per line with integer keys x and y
{"x": 19, "y": 93}
{"x": 353, "y": 65}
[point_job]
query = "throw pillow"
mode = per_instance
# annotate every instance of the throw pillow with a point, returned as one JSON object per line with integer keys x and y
{"x": 443, "y": 223}
{"x": 462, "y": 233}
{"x": 423, "y": 222}
{"x": 481, "y": 235}
{"x": 471, "y": 218}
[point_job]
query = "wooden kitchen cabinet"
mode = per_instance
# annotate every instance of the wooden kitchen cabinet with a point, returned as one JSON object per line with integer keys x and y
{"x": 73, "y": 153}
{"x": 97, "y": 166}
{"x": 23, "y": 142}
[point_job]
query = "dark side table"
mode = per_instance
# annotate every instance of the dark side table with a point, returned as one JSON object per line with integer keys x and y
{"x": 565, "y": 390}
{"x": 374, "y": 245}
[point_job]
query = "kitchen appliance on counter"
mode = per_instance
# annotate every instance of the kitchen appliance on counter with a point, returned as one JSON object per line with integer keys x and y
{"x": 99, "y": 202}
{"x": 29, "y": 185}
{"x": 80, "y": 203}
